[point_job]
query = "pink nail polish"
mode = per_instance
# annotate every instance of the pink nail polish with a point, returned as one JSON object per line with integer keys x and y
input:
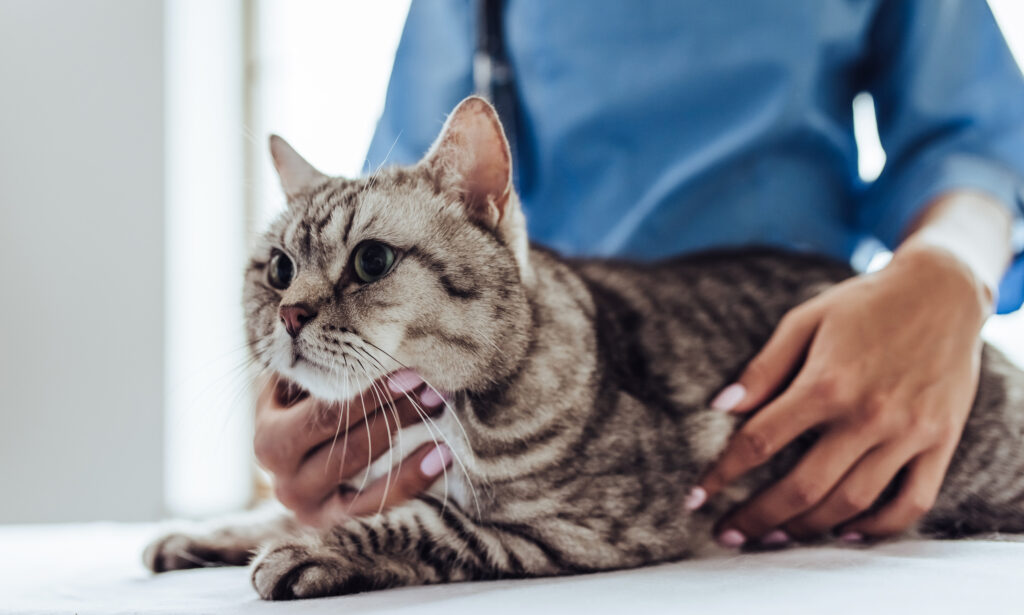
{"x": 431, "y": 399}
{"x": 729, "y": 398}
{"x": 776, "y": 538}
{"x": 403, "y": 381}
{"x": 732, "y": 539}
{"x": 695, "y": 498}
{"x": 852, "y": 537}
{"x": 436, "y": 461}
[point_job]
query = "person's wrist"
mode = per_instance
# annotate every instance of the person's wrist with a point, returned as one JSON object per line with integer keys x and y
{"x": 929, "y": 263}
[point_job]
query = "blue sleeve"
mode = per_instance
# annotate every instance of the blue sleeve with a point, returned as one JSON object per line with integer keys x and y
{"x": 949, "y": 99}
{"x": 433, "y": 71}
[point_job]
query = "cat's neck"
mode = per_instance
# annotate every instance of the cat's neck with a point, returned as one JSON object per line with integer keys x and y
{"x": 528, "y": 413}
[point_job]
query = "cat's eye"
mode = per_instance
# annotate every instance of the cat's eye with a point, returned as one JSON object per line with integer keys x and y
{"x": 373, "y": 260}
{"x": 280, "y": 270}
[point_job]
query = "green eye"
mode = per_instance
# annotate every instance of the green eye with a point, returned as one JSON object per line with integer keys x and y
{"x": 373, "y": 260}
{"x": 280, "y": 270}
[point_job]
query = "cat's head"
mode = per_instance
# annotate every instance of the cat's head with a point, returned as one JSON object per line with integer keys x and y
{"x": 420, "y": 266}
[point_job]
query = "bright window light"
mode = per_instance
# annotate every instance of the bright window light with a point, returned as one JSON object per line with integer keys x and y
{"x": 319, "y": 77}
{"x": 208, "y": 453}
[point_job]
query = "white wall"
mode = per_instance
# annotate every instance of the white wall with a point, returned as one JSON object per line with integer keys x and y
{"x": 81, "y": 256}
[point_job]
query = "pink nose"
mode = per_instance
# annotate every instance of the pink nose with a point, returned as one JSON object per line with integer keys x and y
{"x": 295, "y": 317}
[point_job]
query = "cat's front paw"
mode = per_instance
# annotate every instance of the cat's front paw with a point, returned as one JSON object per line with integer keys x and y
{"x": 306, "y": 569}
{"x": 179, "y": 551}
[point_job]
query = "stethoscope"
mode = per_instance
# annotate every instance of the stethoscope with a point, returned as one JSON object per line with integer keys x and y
{"x": 492, "y": 72}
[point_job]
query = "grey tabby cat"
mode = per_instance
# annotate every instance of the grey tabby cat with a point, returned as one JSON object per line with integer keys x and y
{"x": 579, "y": 413}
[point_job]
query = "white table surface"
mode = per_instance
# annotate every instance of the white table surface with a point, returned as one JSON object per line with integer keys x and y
{"x": 96, "y": 568}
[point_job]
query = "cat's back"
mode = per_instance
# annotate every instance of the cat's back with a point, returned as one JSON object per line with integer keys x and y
{"x": 767, "y": 275}
{"x": 704, "y": 314}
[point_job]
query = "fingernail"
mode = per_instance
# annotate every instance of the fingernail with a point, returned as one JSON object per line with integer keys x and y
{"x": 431, "y": 398}
{"x": 404, "y": 381}
{"x": 775, "y": 538}
{"x": 852, "y": 537}
{"x": 729, "y": 398}
{"x": 732, "y": 539}
{"x": 695, "y": 498}
{"x": 436, "y": 461}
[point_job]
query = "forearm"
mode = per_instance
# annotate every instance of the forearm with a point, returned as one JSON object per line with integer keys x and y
{"x": 974, "y": 228}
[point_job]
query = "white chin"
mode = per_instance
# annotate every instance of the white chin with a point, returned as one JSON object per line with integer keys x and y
{"x": 324, "y": 386}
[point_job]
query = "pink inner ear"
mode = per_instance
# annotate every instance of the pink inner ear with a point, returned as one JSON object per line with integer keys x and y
{"x": 488, "y": 174}
{"x": 474, "y": 147}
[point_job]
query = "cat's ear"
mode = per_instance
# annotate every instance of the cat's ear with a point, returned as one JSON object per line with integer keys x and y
{"x": 295, "y": 173}
{"x": 471, "y": 157}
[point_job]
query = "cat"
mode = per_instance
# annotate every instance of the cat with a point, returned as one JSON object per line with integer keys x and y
{"x": 579, "y": 389}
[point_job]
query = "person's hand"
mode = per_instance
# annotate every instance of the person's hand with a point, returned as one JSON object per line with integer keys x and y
{"x": 886, "y": 368}
{"x": 311, "y": 447}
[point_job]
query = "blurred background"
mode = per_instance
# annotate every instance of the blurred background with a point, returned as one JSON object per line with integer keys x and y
{"x": 133, "y": 172}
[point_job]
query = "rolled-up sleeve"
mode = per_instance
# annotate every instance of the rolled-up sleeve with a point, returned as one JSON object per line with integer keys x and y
{"x": 949, "y": 99}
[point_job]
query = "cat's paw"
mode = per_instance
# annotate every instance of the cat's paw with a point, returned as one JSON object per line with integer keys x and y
{"x": 305, "y": 569}
{"x": 179, "y": 551}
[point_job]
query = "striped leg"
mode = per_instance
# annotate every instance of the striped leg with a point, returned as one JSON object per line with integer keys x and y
{"x": 421, "y": 542}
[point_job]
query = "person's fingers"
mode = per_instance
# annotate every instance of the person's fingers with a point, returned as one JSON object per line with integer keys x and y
{"x": 282, "y": 438}
{"x": 814, "y": 476}
{"x": 347, "y": 453}
{"x": 769, "y": 370}
{"x": 855, "y": 494}
{"x": 410, "y": 477}
{"x": 768, "y": 432}
{"x": 915, "y": 498}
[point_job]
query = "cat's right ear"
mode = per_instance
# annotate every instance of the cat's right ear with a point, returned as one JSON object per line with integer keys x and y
{"x": 471, "y": 156}
{"x": 295, "y": 173}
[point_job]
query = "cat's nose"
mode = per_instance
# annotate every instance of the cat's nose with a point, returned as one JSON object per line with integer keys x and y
{"x": 295, "y": 317}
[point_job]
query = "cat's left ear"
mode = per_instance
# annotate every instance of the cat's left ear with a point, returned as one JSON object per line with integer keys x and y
{"x": 472, "y": 159}
{"x": 296, "y": 174}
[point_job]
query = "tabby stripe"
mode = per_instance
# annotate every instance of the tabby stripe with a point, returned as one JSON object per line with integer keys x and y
{"x": 448, "y": 337}
{"x": 522, "y": 444}
{"x": 357, "y": 543}
{"x": 426, "y": 554}
{"x": 318, "y": 190}
{"x": 449, "y": 286}
{"x": 307, "y": 237}
{"x": 372, "y": 535}
{"x": 721, "y": 327}
{"x": 326, "y": 212}
{"x": 325, "y": 208}
{"x": 289, "y": 231}
{"x": 485, "y": 405}
{"x": 702, "y": 317}
{"x": 789, "y": 284}
{"x": 282, "y": 589}
{"x": 389, "y": 534}
{"x": 348, "y": 226}
{"x": 406, "y": 537}
{"x": 760, "y": 325}
{"x": 557, "y": 558}
{"x": 758, "y": 313}
{"x": 452, "y": 521}
{"x": 515, "y": 565}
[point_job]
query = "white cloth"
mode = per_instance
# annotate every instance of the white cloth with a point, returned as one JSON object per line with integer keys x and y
{"x": 96, "y": 569}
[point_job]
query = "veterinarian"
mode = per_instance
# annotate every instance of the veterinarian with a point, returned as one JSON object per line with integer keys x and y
{"x": 648, "y": 129}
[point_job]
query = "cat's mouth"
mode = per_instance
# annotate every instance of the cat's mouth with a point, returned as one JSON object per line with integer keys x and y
{"x": 328, "y": 378}
{"x": 298, "y": 357}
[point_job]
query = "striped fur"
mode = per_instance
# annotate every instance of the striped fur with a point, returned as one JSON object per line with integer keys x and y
{"x": 579, "y": 413}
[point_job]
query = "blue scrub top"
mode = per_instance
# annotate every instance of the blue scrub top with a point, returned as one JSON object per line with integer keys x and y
{"x": 655, "y": 127}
